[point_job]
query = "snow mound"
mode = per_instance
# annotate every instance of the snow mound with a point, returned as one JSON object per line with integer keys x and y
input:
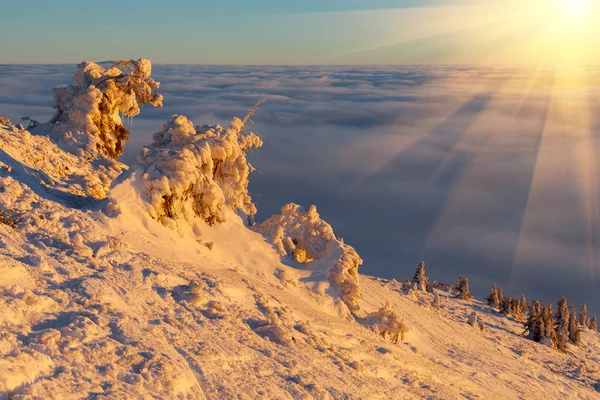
{"x": 88, "y": 114}
{"x": 303, "y": 236}
{"x": 387, "y": 323}
{"x": 190, "y": 172}
{"x": 39, "y": 162}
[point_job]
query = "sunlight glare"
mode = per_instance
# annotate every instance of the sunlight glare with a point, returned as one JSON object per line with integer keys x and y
{"x": 575, "y": 7}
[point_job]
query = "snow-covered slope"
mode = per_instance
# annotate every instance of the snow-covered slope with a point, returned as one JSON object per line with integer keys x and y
{"x": 98, "y": 299}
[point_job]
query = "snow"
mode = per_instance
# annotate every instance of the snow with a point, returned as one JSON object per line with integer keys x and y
{"x": 105, "y": 295}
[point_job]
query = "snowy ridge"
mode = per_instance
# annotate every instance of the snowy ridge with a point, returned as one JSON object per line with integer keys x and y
{"x": 63, "y": 173}
{"x": 110, "y": 299}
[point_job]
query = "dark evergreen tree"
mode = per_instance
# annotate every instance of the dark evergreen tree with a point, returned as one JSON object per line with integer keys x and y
{"x": 593, "y": 324}
{"x": 583, "y": 317}
{"x": 549, "y": 338}
{"x": 574, "y": 332}
{"x": 534, "y": 327}
{"x": 562, "y": 324}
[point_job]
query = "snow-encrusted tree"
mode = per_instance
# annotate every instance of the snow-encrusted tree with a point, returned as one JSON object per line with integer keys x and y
{"x": 89, "y": 112}
{"x": 524, "y": 305}
{"x": 583, "y": 317}
{"x": 419, "y": 281}
{"x": 190, "y": 172}
{"x": 461, "y": 289}
{"x": 550, "y": 337}
{"x": 535, "y": 323}
{"x": 593, "y": 324}
{"x": 562, "y": 324}
{"x": 574, "y": 331}
{"x": 494, "y": 297}
{"x": 517, "y": 309}
{"x": 506, "y": 305}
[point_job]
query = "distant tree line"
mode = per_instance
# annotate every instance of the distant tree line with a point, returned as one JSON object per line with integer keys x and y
{"x": 554, "y": 329}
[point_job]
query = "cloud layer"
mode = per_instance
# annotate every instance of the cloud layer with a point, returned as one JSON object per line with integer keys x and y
{"x": 489, "y": 173}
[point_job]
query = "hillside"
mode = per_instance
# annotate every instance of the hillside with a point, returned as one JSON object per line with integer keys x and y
{"x": 155, "y": 286}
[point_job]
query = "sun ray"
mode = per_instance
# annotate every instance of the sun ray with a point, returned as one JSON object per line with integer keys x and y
{"x": 457, "y": 206}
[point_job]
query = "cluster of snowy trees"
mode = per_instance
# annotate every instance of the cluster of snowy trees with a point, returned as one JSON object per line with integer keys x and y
{"x": 543, "y": 325}
{"x": 555, "y": 329}
{"x": 510, "y": 306}
{"x": 421, "y": 283}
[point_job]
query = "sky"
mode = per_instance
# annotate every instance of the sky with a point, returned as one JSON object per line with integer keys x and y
{"x": 308, "y": 32}
{"x": 487, "y": 172}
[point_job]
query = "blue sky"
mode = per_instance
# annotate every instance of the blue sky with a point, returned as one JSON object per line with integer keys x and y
{"x": 206, "y": 32}
{"x": 318, "y": 32}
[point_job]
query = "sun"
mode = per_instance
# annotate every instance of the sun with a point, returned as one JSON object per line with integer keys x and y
{"x": 575, "y": 7}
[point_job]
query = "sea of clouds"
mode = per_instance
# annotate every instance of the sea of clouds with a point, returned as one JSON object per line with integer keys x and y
{"x": 489, "y": 173}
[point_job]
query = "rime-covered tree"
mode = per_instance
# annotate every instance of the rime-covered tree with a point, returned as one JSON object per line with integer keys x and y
{"x": 524, "y": 306}
{"x": 517, "y": 309}
{"x": 494, "y": 297}
{"x": 583, "y": 317}
{"x": 506, "y": 305}
{"x": 535, "y": 323}
{"x": 593, "y": 324}
{"x": 89, "y": 112}
{"x": 461, "y": 289}
{"x": 562, "y": 324}
{"x": 419, "y": 281}
{"x": 574, "y": 331}
{"x": 550, "y": 337}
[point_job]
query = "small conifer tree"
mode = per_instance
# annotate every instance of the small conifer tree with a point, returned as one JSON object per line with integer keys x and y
{"x": 583, "y": 317}
{"x": 562, "y": 324}
{"x": 535, "y": 323}
{"x": 593, "y": 324}
{"x": 549, "y": 334}
{"x": 524, "y": 306}
{"x": 493, "y": 298}
{"x": 574, "y": 331}
{"x": 462, "y": 289}
{"x": 419, "y": 281}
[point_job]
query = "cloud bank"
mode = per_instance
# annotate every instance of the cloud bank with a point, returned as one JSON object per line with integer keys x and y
{"x": 485, "y": 172}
